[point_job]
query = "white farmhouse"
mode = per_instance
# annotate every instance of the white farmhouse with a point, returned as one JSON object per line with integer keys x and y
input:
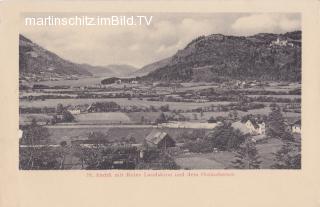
{"x": 74, "y": 111}
{"x": 256, "y": 127}
{"x": 296, "y": 127}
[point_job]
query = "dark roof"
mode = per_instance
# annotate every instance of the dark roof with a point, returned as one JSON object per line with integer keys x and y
{"x": 297, "y": 122}
{"x": 293, "y": 121}
{"x": 156, "y": 136}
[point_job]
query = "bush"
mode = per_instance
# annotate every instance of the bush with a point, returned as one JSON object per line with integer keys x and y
{"x": 225, "y": 137}
{"x": 212, "y": 120}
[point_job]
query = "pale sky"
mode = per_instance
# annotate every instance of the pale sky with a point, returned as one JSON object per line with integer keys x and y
{"x": 141, "y": 45}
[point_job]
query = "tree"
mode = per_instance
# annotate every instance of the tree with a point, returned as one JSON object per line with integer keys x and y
{"x": 247, "y": 157}
{"x": 152, "y": 108}
{"x": 220, "y": 118}
{"x": 67, "y": 116}
{"x": 34, "y": 133}
{"x": 161, "y": 119}
{"x": 53, "y": 120}
{"x": 225, "y": 137}
{"x": 288, "y": 157}
{"x": 164, "y": 108}
{"x": 212, "y": 120}
{"x": 247, "y": 117}
{"x": 40, "y": 158}
{"x": 142, "y": 119}
{"x": 276, "y": 125}
{"x": 63, "y": 143}
{"x": 233, "y": 114}
{"x": 60, "y": 108}
{"x": 195, "y": 116}
{"x": 132, "y": 140}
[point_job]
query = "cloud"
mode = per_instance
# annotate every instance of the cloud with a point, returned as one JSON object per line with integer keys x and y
{"x": 257, "y": 23}
{"x": 138, "y": 46}
{"x": 121, "y": 45}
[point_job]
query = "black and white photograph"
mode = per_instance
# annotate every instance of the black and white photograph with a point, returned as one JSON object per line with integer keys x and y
{"x": 160, "y": 91}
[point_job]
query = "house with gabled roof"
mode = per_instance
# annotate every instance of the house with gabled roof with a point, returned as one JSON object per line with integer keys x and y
{"x": 293, "y": 124}
{"x": 159, "y": 139}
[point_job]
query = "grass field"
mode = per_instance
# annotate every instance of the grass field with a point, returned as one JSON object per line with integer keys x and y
{"x": 277, "y": 96}
{"x": 103, "y": 118}
{"x": 80, "y": 82}
{"x": 267, "y": 150}
{"x": 215, "y": 160}
{"x": 120, "y": 101}
{"x": 206, "y": 115}
{"x": 27, "y": 118}
{"x": 221, "y": 160}
{"x": 136, "y": 117}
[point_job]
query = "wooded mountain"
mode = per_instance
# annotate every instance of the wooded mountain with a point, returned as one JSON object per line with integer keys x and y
{"x": 151, "y": 67}
{"x": 262, "y": 56}
{"x": 121, "y": 70}
{"x": 110, "y": 70}
{"x": 35, "y": 60}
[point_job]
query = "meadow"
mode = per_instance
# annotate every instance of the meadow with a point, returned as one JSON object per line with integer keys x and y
{"x": 120, "y": 101}
{"x": 102, "y": 118}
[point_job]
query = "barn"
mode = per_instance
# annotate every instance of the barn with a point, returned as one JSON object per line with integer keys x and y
{"x": 159, "y": 139}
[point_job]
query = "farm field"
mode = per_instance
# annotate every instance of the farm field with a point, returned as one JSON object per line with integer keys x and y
{"x": 102, "y": 118}
{"x": 27, "y": 118}
{"x": 24, "y": 94}
{"x": 120, "y": 101}
{"x": 80, "y": 82}
{"x": 148, "y": 117}
{"x": 276, "y": 87}
{"x": 215, "y": 160}
{"x": 206, "y": 115}
{"x": 277, "y": 96}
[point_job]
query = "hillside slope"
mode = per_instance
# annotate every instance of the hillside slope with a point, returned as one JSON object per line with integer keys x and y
{"x": 121, "y": 70}
{"x": 35, "y": 61}
{"x": 151, "y": 67}
{"x": 217, "y": 56}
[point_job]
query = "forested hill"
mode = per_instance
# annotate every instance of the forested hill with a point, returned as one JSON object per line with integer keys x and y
{"x": 37, "y": 61}
{"x": 263, "y": 56}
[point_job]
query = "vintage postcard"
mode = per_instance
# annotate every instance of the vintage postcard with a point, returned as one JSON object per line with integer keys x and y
{"x": 188, "y": 92}
{"x": 128, "y": 91}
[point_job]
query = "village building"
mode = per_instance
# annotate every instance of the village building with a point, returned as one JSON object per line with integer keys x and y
{"x": 256, "y": 127}
{"x": 159, "y": 139}
{"x": 293, "y": 125}
{"x": 74, "y": 111}
{"x": 282, "y": 43}
{"x": 60, "y": 116}
{"x": 296, "y": 127}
